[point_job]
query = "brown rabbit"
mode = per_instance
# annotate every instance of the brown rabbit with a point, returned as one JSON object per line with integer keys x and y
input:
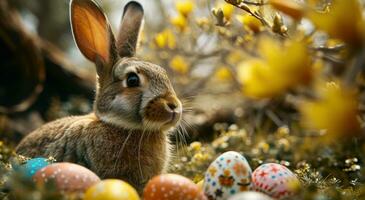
{"x": 126, "y": 136}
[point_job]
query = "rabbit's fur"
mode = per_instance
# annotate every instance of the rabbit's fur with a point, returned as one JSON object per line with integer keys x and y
{"x": 126, "y": 136}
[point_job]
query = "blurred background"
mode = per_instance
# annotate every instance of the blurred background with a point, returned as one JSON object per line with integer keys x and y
{"x": 279, "y": 81}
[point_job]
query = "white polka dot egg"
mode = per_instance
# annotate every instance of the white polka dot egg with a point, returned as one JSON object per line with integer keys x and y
{"x": 68, "y": 177}
{"x": 274, "y": 180}
{"x": 227, "y": 175}
{"x": 172, "y": 187}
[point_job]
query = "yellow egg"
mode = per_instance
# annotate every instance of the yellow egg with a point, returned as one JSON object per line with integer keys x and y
{"x": 111, "y": 189}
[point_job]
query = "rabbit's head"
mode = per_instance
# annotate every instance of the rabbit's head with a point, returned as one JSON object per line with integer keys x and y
{"x": 131, "y": 93}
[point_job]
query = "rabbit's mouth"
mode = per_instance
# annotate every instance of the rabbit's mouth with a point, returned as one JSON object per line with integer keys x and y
{"x": 172, "y": 121}
{"x": 164, "y": 113}
{"x": 169, "y": 120}
{"x": 175, "y": 118}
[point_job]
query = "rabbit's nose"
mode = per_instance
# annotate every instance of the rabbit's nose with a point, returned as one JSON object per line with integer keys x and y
{"x": 172, "y": 106}
{"x": 172, "y": 103}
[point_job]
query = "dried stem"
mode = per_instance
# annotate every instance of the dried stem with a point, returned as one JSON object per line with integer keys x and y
{"x": 359, "y": 63}
{"x": 243, "y": 5}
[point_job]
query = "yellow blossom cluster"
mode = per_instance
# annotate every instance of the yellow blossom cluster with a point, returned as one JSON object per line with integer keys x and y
{"x": 227, "y": 9}
{"x": 179, "y": 64}
{"x": 282, "y": 66}
{"x": 250, "y": 23}
{"x": 184, "y": 9}
{"x": 165, "y": 39}
{"x": 343, "y": 20}
{"x": 223, "y": 73}
{"x": 335, "y": 111}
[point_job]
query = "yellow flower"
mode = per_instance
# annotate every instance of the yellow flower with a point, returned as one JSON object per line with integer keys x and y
{"x": 196, "y": 146}
{"x": 223, "y": 74}
{"x": 198, "y": 157}
{"x": 179, "y": 64}
{"x": 227, "y": 9}
{"x": 255, "y": 77}
{"x": 289, "y": 61}
{"x": 235, "y": 56}
{"x": 185, "y": 7}
{"x": 281, "y": 67}
{"x": 343, "y": 21}
{"x": 165, "y": 39}
{"x": 288, "y": 7}
{"x": 263, "y": 146}
{"x": 179, "y": 22}
{"x": 250, "y": 22}
{"x": 335, "y": 110}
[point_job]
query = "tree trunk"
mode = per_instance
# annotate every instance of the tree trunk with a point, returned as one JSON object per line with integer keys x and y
{"x": 33, "y": 70}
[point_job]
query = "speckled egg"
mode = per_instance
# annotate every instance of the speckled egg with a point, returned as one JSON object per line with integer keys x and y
{"x": 251, "y": 195}
{"x": 111, "y": 189}
{"x": 172, "y": 187}
{"x": 30, "y": 167}
{"x": 274, "y": 180}
{"x": 68, "y": 177}
{"x": 227, "y": 175}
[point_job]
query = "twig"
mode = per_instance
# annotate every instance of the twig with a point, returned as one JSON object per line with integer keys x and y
{"x": 243, "y": 5}
{"x": 274, "y": 118}
{"x": 357, "y": 66}
{"x": 254, "y": 3}
{"x": 333, "y": 49}
{"x": 331, "y": 59}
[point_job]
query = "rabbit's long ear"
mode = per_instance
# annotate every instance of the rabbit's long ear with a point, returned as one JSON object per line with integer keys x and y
{"x": 129, "y": 30}
{"x": 92, "y": 31}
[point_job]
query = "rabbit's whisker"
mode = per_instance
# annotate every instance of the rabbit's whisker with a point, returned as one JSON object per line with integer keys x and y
{"x": 139, "y": 154}
{"x": 120, "y": 153}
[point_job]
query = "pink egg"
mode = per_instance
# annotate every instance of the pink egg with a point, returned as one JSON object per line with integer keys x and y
{"x": 68, "y": 177}
{"x": 274, "y": 180}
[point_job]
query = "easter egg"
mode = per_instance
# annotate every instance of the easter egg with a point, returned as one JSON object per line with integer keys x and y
{"x": 111, "y": 189}
{"x": 251, "y": 195}
{"x": 172, "y": 187}
{"x": 68, "y": 177}
{"x": 274, "y": 180}
{"x": 33, "y": 165}
{"x": 227, "y": 175}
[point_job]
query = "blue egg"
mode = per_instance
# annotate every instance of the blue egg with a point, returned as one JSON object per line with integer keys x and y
{"x": 33, "y": 165}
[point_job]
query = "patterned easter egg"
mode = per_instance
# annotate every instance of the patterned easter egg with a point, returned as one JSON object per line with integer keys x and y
{"x": 111, "y": 189}
{"x": 33, "y": 165}
{"x": 274, "y": 180}
{"x": 251, "y": 195}
{"x": 68, "y": 177}
{"x": 172, "y": 187}
{"x": 228, "y": 174}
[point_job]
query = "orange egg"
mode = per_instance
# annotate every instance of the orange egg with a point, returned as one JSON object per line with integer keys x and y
{"x": 68, "y": 177}
{"x": 172, "y": 187}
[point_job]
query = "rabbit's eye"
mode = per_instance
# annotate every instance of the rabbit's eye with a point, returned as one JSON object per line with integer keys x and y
{"x": 132, "y": 80}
